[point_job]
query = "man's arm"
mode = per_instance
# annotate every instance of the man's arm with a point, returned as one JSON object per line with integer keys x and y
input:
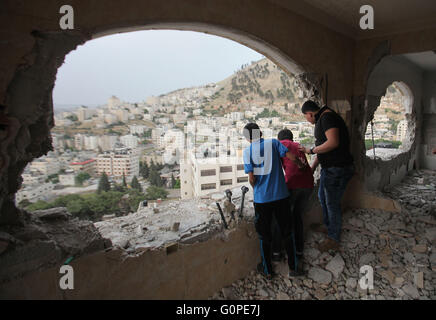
{"x": 251, "y": 179}
{"x": 332, "y": 142}
{"x": 314, "y": 164}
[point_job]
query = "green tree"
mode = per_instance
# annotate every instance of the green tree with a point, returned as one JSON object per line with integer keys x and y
{"x": 103, "y": 183}
{"x": 24, "y": 203}
{"x": 80, "y": 178}
{"x": 154, "y": 178}
{"x": 39, "y": 205}
{"x": 154, "y": 193}
{"x": 124, "y": 181}
{"x": 78, "y": 207}
{"x": 143, "y": 169}
{"x": 173, "y": 181}
{"x": 177, "y": 184}
{"x": 118, "y": 188}
{"x": 135, "y": 184}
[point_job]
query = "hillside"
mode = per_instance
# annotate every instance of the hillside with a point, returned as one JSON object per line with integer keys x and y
{"x": 261, "y": 83}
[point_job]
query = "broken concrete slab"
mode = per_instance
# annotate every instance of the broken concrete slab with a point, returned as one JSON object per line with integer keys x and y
{"x": 336, "y": 265}
{"x": 420, "y": 248}
{"x": 319, "y": 275}
{"x": 366, "y": 259}
{"x": 53, "y": 213}
{"x": 411, "y": 291}
{"x": 418, "y": 278}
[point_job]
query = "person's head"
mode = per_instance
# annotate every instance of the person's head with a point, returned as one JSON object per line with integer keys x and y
{"x": 252, "y": 132}
{"x": 285, "y": 134}
{"x": 310, "y": 109}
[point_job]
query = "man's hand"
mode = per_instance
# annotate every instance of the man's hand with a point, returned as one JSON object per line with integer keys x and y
{"x": 314, "y": 164}
{"x": 303, "y": 149}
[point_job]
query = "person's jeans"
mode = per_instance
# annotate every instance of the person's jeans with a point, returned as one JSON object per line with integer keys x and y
{"x": 332, "y": 185}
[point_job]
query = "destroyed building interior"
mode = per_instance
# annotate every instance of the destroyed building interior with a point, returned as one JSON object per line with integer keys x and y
{"x": 390, "y": 205}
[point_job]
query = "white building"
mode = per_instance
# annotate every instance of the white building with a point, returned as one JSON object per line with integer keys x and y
{"x": 107, "y": 142}
{"x": 32, "y": 178}
{"x": 110, "y": 118}
{"x": 199, "y": 177}
{"x": 129, "y": 141}
{"x": 235, "y": 116}
{"x": 402, "y": 130}
{"x": 113, "y": 103}
{"x": 122, "y": 114}
{"x": 45, "y": 167}
{"x": 34, "y": 193}
{"x": 137, "y": 129}
{"x": 78, "y": 141}
{"x": 67, "y": 179}
{"x": 83, "y": 113}
{"x": 90, "y": 142}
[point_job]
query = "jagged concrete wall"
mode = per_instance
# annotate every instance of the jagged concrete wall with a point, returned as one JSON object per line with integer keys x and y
{"x": 33, "y": 47}
{"x": 182, "y": 272}
{"x": 426, "y": 157}
{"x": 394, "y": 69}
{"x": 368, "y": 53}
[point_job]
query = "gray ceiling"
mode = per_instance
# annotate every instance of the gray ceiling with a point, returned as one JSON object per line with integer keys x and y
{"x": 424, "y": 60}
{"x": 390, "y": 16}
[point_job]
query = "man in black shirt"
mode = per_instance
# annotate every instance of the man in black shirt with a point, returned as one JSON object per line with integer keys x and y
{"x": 332, "y": 152}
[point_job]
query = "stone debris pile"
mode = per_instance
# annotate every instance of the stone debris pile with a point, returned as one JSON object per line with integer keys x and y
{"x": 399, "y": 247}
{"x": 184, "y": 221}
{"x": 43, "y": 239}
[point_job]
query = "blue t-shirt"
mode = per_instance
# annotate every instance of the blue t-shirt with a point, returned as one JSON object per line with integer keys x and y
{"x": 262, "y": 158}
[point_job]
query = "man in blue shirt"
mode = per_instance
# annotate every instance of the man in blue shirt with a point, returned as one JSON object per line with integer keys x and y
{"x": 271, "y": 197}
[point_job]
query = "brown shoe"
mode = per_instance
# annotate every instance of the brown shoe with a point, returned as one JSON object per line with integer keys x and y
{"x": 319, "y": 228}
{"x": 328, "y": 244}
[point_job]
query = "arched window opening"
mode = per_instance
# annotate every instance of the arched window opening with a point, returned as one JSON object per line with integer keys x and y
{"x": 123, "y": 154}
{"x": 389, "y": 133}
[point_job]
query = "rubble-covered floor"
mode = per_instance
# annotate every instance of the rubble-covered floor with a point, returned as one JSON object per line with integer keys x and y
{"x": 400, "y": 247}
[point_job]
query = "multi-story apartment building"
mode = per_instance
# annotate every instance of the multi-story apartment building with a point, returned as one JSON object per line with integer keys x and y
{"x": 129, "y": 141}
{"x": 199, "y": 177}
{"x": 87, "y": 166}
{"x": 45, "y": 166}
{"x": 119, "y": 162}
{"x": 90, "y": 142}
{"x": 107, "y": 142}
{"x": 137, "y": 129}
{"x": 401, "y": 130}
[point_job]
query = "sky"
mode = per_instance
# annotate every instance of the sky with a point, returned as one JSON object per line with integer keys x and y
{"x": 136, "y": 65}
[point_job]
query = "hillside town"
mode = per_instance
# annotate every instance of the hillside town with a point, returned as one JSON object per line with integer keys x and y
{"x": 193, "y": 134}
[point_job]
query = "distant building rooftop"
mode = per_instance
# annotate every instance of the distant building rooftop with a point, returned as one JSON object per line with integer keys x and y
{"x": 82, "y": 163}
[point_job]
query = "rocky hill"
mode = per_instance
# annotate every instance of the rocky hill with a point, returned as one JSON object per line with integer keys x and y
{"x": 260, "y": 83}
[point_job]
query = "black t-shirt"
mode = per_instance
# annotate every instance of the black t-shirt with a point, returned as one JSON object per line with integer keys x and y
{"x": 340, "y": 156}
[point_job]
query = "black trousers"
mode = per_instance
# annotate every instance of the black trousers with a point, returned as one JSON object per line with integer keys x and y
{"x": 264, "y": 213}
{"x": 299, "y": 200}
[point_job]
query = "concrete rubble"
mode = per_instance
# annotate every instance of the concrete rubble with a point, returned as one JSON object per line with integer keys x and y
{"x": 400, "y": 247}
{"x": 43, "y": 239}
{"x": 184, "y": 221}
